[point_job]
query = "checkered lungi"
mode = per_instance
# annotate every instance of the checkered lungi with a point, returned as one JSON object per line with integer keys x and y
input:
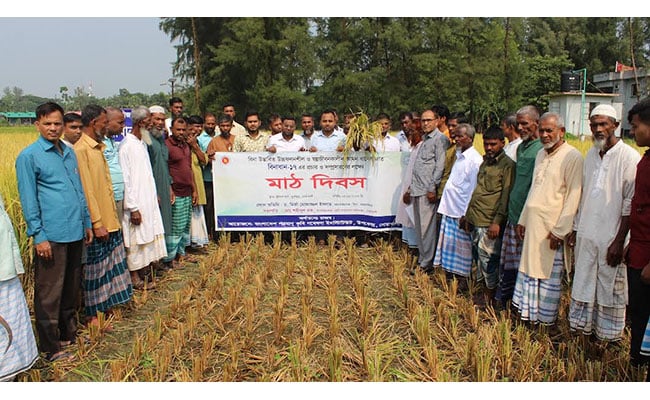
{"x": 608, "y": 320}
{"x": 21, "y": 353}
{"x": 179, "y": 238}
{"x": 509, "y": 263}
{"x": 106, "y": 280}
{"x": 454, "y": 250}
{"x": 538, "y": 300}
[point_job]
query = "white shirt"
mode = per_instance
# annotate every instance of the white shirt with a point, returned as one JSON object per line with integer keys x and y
{"x": 327, "y": 143}
{"x": 462, "y": 181}
{"x": 139, "y": 193}
{"x": 237, "y": 129}
{"x": 607, "y": 189}
{"x": 401, "y": 136}
{"x": 296, "y": 143}
{"x": 388, "y": 143}
{"x": 511, "y": 149}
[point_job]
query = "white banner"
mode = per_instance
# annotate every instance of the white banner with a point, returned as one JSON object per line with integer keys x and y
{"x": 302, "y": 190}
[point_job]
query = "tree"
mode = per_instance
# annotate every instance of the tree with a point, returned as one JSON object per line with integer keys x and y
{"x": 485, "y": 67}
{"x": 64, "y": 93}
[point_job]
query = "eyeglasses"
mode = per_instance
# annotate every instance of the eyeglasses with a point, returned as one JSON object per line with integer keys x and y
{"x": 428, "y": 120}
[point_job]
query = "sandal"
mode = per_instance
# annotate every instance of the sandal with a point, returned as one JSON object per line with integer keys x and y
{"x": 139, "y": 285}
{"x": 137, "y": 282}
{"x": 150, "y": 285}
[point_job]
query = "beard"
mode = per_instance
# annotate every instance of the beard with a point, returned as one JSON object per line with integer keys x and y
{"x": 550, "y": 145}
{"x": 599, "y": 144}
{"x": 155, "y": 132}
{"x": 146, "y": 136}
{"x": 209, "y": 131}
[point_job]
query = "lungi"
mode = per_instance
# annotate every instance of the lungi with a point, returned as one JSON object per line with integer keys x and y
{"x": 599, "y": 292}
{"x": 181, "y": 222}
{"x": 538, "y": 300}
{"x": 198, "y": 229}
{"x": 454, "y": 250}
{"x": 141, "y": 255}
{"x": 486, "y": 253}
{"x": 18, "y": 351}
{"x": 509, "y": 263}
{"x": 106, "y": 280}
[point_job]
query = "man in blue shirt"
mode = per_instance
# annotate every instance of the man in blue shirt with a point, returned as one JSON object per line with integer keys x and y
{"x": 210, "y": 131}
{"x": 114, "y": 127}
{"x": 328, "y": 138}
{"x": 55, "y": 210}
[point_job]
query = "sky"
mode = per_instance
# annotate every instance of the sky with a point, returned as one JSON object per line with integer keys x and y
{"x": 70, "y": 43}
{"x": 39, "y": 55}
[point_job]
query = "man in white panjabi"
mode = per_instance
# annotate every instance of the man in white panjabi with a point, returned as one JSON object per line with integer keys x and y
{"x": 144, "y": 234}
{"x": 454, "y": 249}
{"x": 599, "y": 292}
{"x": 546, "y": 219}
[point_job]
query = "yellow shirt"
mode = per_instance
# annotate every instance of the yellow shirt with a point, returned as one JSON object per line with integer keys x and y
{"x": 550, "y": 207}
{"x": 96, "y": 181}
{"x": 197, "y": 172}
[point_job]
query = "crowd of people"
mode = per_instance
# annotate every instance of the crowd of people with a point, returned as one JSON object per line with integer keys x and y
{"x": 107, "y": 217}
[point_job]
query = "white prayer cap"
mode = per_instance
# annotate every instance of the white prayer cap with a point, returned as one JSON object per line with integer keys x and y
{"x": 606, "y": 110}
{"x": 156, "y": 110}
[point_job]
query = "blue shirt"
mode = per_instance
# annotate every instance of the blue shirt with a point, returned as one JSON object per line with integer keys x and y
{"x": 327, "y": 143}
{"x": 111, "y": 155}
{"x": 204, "y": 140}
{"x": 51, "y": 195}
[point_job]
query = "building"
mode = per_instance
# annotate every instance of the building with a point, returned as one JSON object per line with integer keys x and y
{"x": 629, "y": 84}
{"x": 569, "y": 105}
{"x": 19, "y": 118}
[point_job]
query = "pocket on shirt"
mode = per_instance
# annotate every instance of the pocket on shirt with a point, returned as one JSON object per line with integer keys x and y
{"x": 493, "y": 183}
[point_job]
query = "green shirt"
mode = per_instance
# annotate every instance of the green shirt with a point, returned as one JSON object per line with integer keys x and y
{"x": 489, "y": 202}
{"x": 526, "y": 153}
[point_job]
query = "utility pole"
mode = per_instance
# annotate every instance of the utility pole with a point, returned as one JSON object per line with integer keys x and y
{"x": 171, "y": 81}
{"x": 582, "y": 102}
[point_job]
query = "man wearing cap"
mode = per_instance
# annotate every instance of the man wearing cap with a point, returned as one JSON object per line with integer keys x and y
{"x": 599, "y": 292}
{"x": 158, "y": 156}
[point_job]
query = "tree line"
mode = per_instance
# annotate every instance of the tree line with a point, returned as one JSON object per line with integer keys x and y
{"x": 484, "y": 67}
{"x": 15, "y": 99}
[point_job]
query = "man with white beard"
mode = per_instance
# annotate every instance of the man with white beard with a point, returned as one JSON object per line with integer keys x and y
{"x": 547, "y": 218}
{"x": 599, "y": 293}
{"x": 158, "y": 155}
{"x": 144, "y": 234}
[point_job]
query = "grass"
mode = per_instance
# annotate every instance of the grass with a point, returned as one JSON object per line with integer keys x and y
{"x": 294, "y": 311}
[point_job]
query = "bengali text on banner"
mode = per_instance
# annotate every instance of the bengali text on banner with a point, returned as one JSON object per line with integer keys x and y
{"x": 307, "y": 191}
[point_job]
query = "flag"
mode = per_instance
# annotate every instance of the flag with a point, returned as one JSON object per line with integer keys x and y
{"x": 622, "y": 67}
